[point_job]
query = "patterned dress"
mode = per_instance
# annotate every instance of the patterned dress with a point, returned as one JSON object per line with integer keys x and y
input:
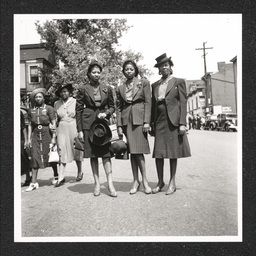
{"x": 40, "y": 118}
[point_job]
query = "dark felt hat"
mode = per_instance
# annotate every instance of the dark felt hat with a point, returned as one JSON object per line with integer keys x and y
{"x": 162, "y": 59}
{"x": 36, "y": 91}
{"x": 62, "y": 86}
{"x": 100, "y": 133}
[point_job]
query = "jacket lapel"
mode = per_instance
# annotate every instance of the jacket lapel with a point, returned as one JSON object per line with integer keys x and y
{"x": 157, "y": 89}
{"x": 170, "y": 85}
{"x": 122, "y": 91}
{"x": 103, "y": 93}
{"x": 135, "y": 86}
{"x": 89, "y": 90}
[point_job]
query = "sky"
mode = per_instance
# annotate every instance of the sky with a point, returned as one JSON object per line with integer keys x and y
{"x": 177, "y": 35}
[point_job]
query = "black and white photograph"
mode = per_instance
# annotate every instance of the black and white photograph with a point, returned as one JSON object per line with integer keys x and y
{"x": 128, "y": 128}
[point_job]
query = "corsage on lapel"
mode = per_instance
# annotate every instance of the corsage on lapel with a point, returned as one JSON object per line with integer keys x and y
{"x": 139, "y": 85}
{"x": 176, "y": 87}
{"x": 105, "y": 90}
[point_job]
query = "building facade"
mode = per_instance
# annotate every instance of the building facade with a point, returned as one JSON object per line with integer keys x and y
{"x": 35, "y": 63}
{"x": 195, "y": 97}
{"x": 220, "y": 90}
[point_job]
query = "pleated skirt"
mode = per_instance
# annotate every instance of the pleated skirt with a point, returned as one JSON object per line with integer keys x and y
{"x": 136, "y": 138}
{"x": 168, "y": 142}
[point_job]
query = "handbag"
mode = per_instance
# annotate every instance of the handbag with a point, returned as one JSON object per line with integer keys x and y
{"x": 78, "y": 144}
{"x": 53, "y": 155}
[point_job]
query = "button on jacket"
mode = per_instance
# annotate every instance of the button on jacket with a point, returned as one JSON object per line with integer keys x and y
{"x": 175, "y": 99}
{"x": 141, "y": 103}
{"x": 86, "y": 109}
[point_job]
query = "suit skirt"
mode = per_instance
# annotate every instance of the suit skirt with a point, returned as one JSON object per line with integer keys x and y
{"x": 93, "y": 151}
{"x": 136, "y": 138}
{"x": 168, "y": 142}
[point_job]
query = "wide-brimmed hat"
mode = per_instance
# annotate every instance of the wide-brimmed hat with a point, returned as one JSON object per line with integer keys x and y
{"x": 36, "y": 91}
{"x": 161, "y": 59}
{"x": 62, "y": 86}
{"x": 100, "y": 133}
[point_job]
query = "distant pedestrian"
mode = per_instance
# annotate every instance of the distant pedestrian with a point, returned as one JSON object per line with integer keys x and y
{"x": 169, "y": 108}
{"x": 39, "y": 134}
{"x": 95, "y": 101}
{"x": 133, "y": 119}
{"x": 65, "y": 108}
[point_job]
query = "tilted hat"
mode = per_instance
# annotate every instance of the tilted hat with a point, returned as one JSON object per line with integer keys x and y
{"x": 62, "y": 86}
{"x": 36, "y": 91}
{"x": 100, "y": 133}
{"x": 161, "y": 59}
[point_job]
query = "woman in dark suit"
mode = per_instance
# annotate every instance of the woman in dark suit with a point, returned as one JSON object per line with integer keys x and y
{"x": 169, "y": 110}
{"x": 95, "y": 100}
{"x": 133, "y": 119}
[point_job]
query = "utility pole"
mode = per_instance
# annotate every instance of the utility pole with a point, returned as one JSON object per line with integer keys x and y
{"x": 207, "y": 90}
{"x": 204, "y": 55}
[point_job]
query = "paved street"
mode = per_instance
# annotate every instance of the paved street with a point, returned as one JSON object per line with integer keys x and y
{"x": 205, "y": 203}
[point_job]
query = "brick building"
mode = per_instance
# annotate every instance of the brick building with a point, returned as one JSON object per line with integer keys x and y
{"x": 35, "y": 62}
{"x": 220, "y": 89}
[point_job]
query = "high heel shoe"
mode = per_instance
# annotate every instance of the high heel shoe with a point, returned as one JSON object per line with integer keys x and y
{"x": 112, "y": 193}
{"x": 32, "y": 186}
{"x": 134, "y": 190}
{"x": 158, "y": 188}
{"x": 58, "y": 184}
{"x": 79, "y": 178}
{"x": 170, "y": 191}
{"x": 96, "y": 192}
{"x": 148, "y": 190}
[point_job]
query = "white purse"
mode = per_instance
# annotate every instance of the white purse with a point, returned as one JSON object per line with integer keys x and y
{"x": 53, "y": 155}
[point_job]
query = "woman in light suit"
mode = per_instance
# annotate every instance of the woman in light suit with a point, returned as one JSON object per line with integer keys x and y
{"x": 133, "y": 119}
{"x": 169, "y": 110}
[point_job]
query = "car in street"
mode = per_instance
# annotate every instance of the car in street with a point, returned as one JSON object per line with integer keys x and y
{"x": 210, "y": 122}
{"x": 226, "y": 122}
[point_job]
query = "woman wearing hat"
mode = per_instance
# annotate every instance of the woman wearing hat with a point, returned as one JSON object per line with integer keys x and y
{"x": 133, "y": 119}
{"x": 95, "y": 101}
{"x": 65, "y": 108}
{"x": 168, "y": 121}
{"x": 39, "y": 134}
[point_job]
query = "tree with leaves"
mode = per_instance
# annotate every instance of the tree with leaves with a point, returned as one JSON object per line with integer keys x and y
{"x": 75, "y": 42}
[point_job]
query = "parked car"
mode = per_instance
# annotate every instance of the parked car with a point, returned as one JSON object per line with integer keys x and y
{"x": 227, "y": 122}
{"x": 210, "y": 122}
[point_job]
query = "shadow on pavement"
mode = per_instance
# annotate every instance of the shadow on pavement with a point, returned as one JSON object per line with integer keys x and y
{"x": 83, "y": 188}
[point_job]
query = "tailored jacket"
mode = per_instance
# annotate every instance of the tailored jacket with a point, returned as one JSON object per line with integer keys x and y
{"x": 175, "y": 99}
{"x": 86, "y": 110}
{"x": 140, "y": 106}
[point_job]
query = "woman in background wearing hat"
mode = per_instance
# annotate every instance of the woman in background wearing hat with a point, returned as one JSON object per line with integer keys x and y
{"x": 168, "y": 121}
{"x": 95, "y": 100}
{"x": 65, "y": 108}
{"x": 133, "y": 119}
{"x": 39, "y": 134}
